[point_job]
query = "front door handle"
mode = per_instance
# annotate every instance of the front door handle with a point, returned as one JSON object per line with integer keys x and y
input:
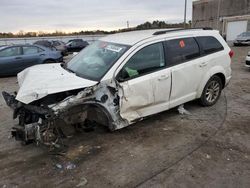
{"x": 203, "y": 64}
{"x": 163, "y": 77}
{"x": 18, "y": 58}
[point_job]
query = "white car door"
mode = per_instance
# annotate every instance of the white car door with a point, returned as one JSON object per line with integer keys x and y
{"x": 186, "y": 69}
{"x": 145, "y": 83}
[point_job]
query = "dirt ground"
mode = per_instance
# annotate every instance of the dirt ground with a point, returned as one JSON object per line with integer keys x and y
{"x": 209, "y": 148}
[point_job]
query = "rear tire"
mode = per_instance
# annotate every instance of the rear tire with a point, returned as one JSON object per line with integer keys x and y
{"x": 211, "y": 92}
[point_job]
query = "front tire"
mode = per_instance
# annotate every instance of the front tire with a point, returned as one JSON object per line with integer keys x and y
{"x": 212, "y": 91}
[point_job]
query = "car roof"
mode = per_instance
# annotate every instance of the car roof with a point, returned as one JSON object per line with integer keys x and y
{"x": 133, "y": 37}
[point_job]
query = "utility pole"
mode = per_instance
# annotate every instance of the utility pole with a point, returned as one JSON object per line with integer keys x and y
{"x": 128, "y": 24}
{"x": 185, "y": 14}
{"x": 218, "y": 14}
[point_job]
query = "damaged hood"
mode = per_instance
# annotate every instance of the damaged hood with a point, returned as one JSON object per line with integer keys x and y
{"x": 41, "y": 80}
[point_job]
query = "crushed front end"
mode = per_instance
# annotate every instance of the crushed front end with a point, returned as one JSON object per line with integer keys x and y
{"x": 30, "y": 119}
{"x": 57, "y": 116}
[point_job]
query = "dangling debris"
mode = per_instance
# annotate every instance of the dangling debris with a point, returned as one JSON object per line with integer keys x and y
{"x": 183, "y": 111}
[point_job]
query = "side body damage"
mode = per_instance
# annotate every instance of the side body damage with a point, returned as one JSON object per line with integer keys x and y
{"x": 57, "y": 116}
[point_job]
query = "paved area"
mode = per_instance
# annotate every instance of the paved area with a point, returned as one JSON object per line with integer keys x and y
{"x": 209, "y": 148}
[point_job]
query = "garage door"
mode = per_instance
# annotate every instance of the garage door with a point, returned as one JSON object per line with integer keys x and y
{"x": 235, "y": 28}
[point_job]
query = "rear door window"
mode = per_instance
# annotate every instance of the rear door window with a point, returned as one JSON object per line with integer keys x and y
{"x": 30, "y": 50}
{"x": 209, "y": 44}
{"x": 181, "y": 50}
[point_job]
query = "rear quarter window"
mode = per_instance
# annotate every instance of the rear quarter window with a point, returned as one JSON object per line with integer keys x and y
{"x": 209, "y": 44}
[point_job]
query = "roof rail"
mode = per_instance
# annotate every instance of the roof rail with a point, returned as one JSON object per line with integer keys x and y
{"x": 181, "y": 29}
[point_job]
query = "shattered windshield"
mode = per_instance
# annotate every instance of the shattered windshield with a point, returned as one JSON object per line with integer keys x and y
{"x": 96, "y": 59}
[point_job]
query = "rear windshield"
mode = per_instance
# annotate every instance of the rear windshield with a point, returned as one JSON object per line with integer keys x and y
{"x": 95, "y": 60}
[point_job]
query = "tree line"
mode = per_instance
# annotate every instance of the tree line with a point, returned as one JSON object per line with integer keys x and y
{"x": 147, "y": 25}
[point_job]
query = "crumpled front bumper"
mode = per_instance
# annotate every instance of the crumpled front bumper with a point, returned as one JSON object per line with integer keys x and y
{"x": 28, "y": 127}
{"x": 10, "y": 100}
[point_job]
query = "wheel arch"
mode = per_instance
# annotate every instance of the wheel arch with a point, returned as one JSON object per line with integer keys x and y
{"x": 218, "y": 71}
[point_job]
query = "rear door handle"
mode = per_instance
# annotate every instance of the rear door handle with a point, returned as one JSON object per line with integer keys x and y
{"x": 163, "y": 77}
{"x": 18, "y": 58}
{"x": 203, "y": 64}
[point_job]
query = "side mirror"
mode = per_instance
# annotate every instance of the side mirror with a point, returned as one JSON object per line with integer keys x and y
{"x": 121, "y": 76}
{"x": 120, "y": 79}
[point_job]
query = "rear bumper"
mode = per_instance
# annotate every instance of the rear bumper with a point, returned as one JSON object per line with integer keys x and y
{"x": 228, "y": 80}
{"x": 247, "y": 63}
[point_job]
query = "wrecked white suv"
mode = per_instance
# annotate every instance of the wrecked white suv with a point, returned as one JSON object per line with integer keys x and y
{"x": 119, "y": 80}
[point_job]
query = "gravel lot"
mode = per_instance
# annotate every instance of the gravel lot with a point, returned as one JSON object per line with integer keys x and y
{"x": 209, "y": 148}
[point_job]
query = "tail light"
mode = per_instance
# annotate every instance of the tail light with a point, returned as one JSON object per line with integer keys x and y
{"x": 231, "y": 53}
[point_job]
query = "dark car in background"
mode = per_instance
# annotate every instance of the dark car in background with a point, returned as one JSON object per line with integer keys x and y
{"x": 53, "y": 45}
{"x": 14, "y": 59}
{"x": 76, "y": 45}
{"x": 242, "y": 39}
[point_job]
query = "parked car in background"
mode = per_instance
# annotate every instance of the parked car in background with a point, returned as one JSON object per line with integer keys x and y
{"x": 242, "y": 39}
{"x": 14, "y": 59}
{"x": 60, "y": 46}
{"x": 248, "y": 60}
{"x": 121, "y": 79}
{"x": 53, "y": 45}
{"x": 76, "y": 45}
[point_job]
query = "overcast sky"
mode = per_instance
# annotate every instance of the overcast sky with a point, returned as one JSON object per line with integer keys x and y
{"x": 76, "y": 15}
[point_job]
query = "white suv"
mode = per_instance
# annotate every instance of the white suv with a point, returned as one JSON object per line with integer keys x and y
{"x": 120, "y": 79}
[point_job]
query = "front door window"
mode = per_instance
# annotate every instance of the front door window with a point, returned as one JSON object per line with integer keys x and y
{"x": 147, "y": 60}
